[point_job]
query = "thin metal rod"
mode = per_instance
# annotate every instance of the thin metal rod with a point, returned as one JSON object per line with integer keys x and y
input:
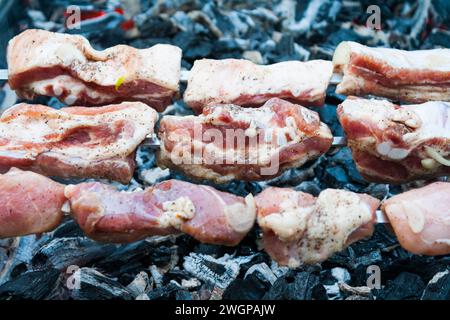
{"x": 153, "y": 142}
{"x": 3, "y": 74}
{"x": 184, "y": 76}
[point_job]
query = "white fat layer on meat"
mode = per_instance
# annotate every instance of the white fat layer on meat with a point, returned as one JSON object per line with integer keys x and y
{"x": 229, "y": 79}
{"x": 52, "y": 125}
{"x": 266, "y": 147}
{"x": 241, "y": 216}
{"x": 433, "y": 60}
{"x": 290, "y": 223}
{"x": 159, "y": 64}
{"x": 426, "y": 121}
{"x": 177, "y": 212}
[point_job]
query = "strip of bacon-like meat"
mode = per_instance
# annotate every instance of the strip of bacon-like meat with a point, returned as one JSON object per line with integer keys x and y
{"x": 229, "y": 142}
{"x": 241, "y": 82}
{"x": 301, "y": 229}
{"x": 172, "y": 206}
{"x": 75, "y": 142}
{"x": 29, "y": 203}
{"x": 408, "y": 76}
{"x": 395, "y": 144}
{"x": 67, "y": 67}
{"x": 421, "y": 219}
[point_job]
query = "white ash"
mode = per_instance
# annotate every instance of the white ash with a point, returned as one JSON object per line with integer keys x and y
{"x": 221, "y": 271}
{"x": 190, "y": 283}
{"x": 140, "y": 285}
{"x": 265, "y": 272}
{"x": 342, "y": 276}
{"x": 156, "y": 275}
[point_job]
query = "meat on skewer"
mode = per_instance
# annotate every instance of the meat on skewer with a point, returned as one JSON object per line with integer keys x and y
{"x": 407, "y": 76}
{"x": 395, "y": 144}
{"x": 42, "y": 63}
{"x": 241, "y": 82}
{"x": 229, "y": 142}
{"x": 29, "y": 203}
{"x": 76, "y": 142}
{"x": 299, "y": 228}
{"x": 421, "y": 219}
{"x": 172, "y": 206}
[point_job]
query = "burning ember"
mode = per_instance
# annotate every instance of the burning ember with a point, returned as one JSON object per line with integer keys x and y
{"x": 206, "y": 245}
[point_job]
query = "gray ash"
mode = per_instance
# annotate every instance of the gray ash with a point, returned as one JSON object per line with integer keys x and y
{"x": 178, "y": 267}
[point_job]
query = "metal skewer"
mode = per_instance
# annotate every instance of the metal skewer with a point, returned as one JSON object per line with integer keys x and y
{"x": 184, "y": 76}
{"x": 154, "y": 143}
{"x": 3, "y": 74}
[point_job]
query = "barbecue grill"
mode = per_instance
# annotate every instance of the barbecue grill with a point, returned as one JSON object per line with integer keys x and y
{"x": 65, "y": 264}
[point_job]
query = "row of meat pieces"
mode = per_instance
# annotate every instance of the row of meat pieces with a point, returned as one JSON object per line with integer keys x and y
{"x": 225, "y": 142}
{"x": 297, "y": 227}
{"x": 42, "y": 63}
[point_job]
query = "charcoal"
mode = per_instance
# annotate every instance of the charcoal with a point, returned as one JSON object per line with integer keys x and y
{"x": 437, "y": 38}
{"x": 95, "y": 285}
{"x": 344, "y": 158}
{"x": 141, "y": 284}
{"x": 69, "y": 228}
{"x": 137, "y": 256}
{"x": 221, "y": 271}
{"x": 405, "y": 286}
{"x": 179, "y": 267}
{"x": 33, "y": 285}
{"x": 438, "y": 288}
{"x": 63, "y": 252}
{"x": 193, "y": 46}
{"x": 311, "y": 187}
{"x": 301, "y": 286}
{"x": 183, "y": 295}
{"x": 328, "y": 115}
{"x": 336, "y": 176}
{"x": 164, "y": 293}
{"x": 176, "y": 274}
{"x": 16, "y": 256}
{"x": 331, "y": 280}
{"x": 250, "y": 288}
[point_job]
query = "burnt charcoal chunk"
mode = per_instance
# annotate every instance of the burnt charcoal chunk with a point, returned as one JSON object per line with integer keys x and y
{"x": 95, "y": 285}
{"x": 302, "y": 286}
{"x": 165, "y": 292}
{"x": 135, "y": 256}
{"x": 193, "y": 46}
{"x": 336, "y": 176}
{"x": 33, "y": 285}
{"x": 250, "y": 288}
{"x": 183, "y": 295}
{"x": 68, "y": 228}
{"x": 438, "y": 288}
{"x": 63, "y": 252}
{"x": 408, "y": 286}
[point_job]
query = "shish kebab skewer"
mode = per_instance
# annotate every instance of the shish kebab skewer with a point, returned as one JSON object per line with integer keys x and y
{"x": 410, "y": 142}
{"x": 184, "y": 75}
{"x": 297, "y": 227}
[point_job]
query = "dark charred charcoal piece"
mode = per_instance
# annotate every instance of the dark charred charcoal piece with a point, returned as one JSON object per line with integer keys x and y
{"x": 136, "y": 256}
{"x": 438, "y": 288}
{"x": 250, "y": 288}
{"x": 33, "y": 285}
{"x": 63, "y": 252}
{"x": 221, "y": 271}
{"x": 95, "y": 285}
{"x": 405, "y": 286}
{"x": 166, "y": 292}
{"x": 301, "y": 286}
